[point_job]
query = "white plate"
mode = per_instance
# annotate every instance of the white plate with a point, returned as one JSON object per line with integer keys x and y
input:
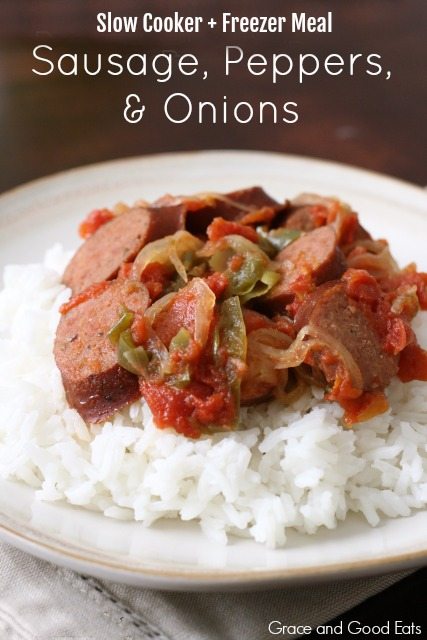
{"x": 172, "y": 554}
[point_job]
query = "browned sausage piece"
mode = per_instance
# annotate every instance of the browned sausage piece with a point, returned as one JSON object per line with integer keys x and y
{"x": 335, "y": 314}
{"x": 118, "y": 241}
{"x": 199, "y": 211}
{"x": 311, "y": 259}
{"x": 95, "y": 385}
{"x": 302, "y": 218}
{"x": 254, "y": 197}
{"x": 309, "y": 211}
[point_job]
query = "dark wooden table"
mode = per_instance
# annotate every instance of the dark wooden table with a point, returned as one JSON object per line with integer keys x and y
{"x": 54, "y": 123}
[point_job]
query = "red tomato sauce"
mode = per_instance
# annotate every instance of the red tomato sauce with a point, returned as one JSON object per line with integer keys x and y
{"x": 218, "y": 283}
{"x": 413, "y": 364}
{"x": 92, "y": 291}
{"x": 156, "y": 277}
{"x": 189, "y": 410}
{"x": 365, "y": 407}
{"x": 393, "y": 330}
{"x": 261, "y": 216}
{"x": 93, "y": 221}
{"x": 180, "y": 313}
{"x": 220, "y": 228}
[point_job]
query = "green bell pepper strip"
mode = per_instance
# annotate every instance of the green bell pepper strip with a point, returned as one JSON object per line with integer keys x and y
{"x": 122, "y": 324}
{"x": 232, "y": 340}
{"x": 271, "y": 242}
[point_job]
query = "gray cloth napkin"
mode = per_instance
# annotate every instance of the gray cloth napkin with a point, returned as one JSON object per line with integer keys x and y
{"x": 40, "y": 601}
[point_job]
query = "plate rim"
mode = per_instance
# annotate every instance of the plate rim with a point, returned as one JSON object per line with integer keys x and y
{"x": 208, "y": 579}
{"x": 80, "y": 169}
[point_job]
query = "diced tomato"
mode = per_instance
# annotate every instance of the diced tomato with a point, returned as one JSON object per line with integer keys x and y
{"x": 260, "y": 216}
{"x": 398, "y": 335}
{"x": 285, "y": 325}
{"x": 156, "y": 277}
{"x": 367, "y": 406}
{"x": 332, "y": 210}
{"x": 220, "y": 228}
{"x": 343, "y": 388}
{"x": 349, "y": 228}
{"x": 188, "y": 410}
{"x": 301, "y": 287}
{"x": 218, "y": 283}
{"x": 420, "y": 281}
{"x": 319, "y": 215}
{"x": 139, "y": 329}
{"x": 190, "y": 354}
{"x": 361, "y": 286}
{"x": 214, "y": 409}
{"x": 170, "y": 407}
{"x": 94, "y": 220}
{"x": 90, "y": 292}
{"x": 413, "y": 363}
{"x": 235, "y": 263}
{"x": 179, "y": 314}
{"x": 255, "y": 320}
{"x": 408, "y": 276}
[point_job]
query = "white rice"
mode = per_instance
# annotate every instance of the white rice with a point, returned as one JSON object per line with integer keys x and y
{"x": 292, "y": 467}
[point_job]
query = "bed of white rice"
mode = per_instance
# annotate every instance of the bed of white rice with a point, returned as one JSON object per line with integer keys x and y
{"x": 290, "y": 467}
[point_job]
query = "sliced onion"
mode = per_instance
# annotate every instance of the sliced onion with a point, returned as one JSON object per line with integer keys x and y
{"x": 261, "y": 378}
{"x": 269, "y": 337}
{"x": 295, "y": 393}
{"x": 204, "y": 310}
{"x": 178, "y": 264}
{"x": 158, "y": 306}
{"x": 317, "y": 339}
{"x": 377, "y": 259}
{"x": 338, "y": 349}
{"x": 239, "y": 245}
{"x": 158, "y": 355}
{"x": 406, "y": 301}
{"x": 205, "y": 198}
{"x": 262, "y": 287}
{"x": 167, "y": 250}
{"x": 294, "y": 355}
{"x": 312, "y": 199}
{"x": 204, "y": 300}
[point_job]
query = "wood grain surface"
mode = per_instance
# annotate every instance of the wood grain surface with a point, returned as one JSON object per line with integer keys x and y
{"x": 52, "y": 123}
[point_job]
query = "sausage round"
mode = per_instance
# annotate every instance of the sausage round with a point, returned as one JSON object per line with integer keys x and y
{"x": 199, "y": 211}
{"x": 331, "y": 310}
{"x": 95, "y": 385}
{"x": 312, "y": 259}
{"x": 118, "y": 241}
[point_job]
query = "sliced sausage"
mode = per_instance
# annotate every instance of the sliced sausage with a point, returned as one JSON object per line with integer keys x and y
{"x": 118, "y": 241}
{"x": 331, "y": 310}
{"x": 95, "y": 385}
{"x": 305, "y": 218}
{"x": 309, "y": 211}
{"x": 310, "y": 260}
{"x": 199, "y": 211}
{"x": 254, "y": 197}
